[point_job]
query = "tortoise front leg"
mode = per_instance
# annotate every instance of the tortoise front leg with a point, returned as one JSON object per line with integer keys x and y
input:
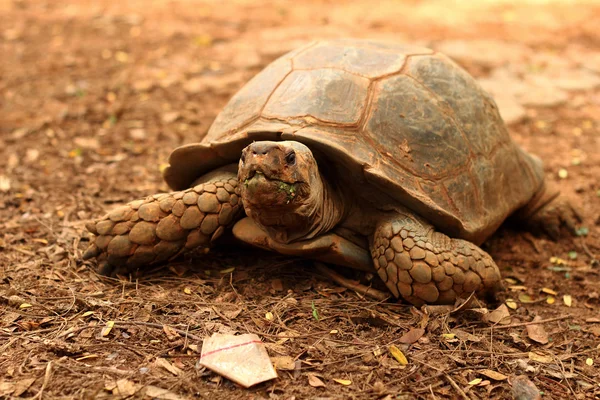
{"x": 161, "y": 227}
{"x": 425, "y": 266}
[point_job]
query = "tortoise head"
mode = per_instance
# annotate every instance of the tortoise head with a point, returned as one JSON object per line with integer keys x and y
{"x": 281, "y": 188}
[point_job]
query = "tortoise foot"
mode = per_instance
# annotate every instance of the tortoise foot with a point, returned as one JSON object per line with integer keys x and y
{"x": 427, "y": 267}
{"x": 550, "y": 213}
{"x": 161, "y": 227}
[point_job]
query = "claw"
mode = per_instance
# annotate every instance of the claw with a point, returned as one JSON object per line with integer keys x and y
{"x": 91, "y": 252}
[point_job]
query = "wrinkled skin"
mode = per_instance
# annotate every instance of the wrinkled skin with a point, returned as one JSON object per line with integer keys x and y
{"x": 282, "y": 191}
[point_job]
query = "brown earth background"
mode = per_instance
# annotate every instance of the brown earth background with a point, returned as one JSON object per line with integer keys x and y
{"x": 95, "y": 94}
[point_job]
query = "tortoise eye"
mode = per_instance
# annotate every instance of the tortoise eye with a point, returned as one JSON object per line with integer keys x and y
{"x": 291, "y": 158}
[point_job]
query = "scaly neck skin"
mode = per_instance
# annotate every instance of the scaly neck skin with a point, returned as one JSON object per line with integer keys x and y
{"x": 317, "y": 214}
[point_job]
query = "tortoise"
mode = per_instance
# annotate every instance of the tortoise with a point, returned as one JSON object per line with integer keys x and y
{"x": 367, "y": 154}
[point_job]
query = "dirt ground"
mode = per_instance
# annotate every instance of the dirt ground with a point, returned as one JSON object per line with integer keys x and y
{"x": 95, "y": 94}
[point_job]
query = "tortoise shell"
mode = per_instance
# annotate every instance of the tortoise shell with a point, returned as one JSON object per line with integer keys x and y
{"x": 402, "y": 120}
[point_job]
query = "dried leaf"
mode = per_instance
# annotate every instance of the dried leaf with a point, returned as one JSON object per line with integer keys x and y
{"x": 497, "y": 376}
{"x": 525, "y": 298}
{"x": 412, "y": 336}
{"x": 269, "y": 316}
{"x": 510, "y": 303}
{"x": 398, "y": 355}
{"x": 475, "y": 381}
{"x": 540, "y": 358}
{"x": 536, "y": 332}
{"x": 568, "y": 300}
{"x": 106, "y": 330}
{"x": 499, "y": 315}
{"x": 314, "y": 381}
{"x": 155, "y": 392}
{"x": 550, "y": 300}
{"x": 227, "y": 271}
{"x": 25, "y": 305}
{"x": 125, "y": 388}
{"x": 589, "y": 362}
{"x": 284, "y": 362}
{"x": 87, "y": 313}
{"x": 187, "y": 290}
{"x": 277, "y": 285}
{"x": 344, "y": 382}
{"x": 549, "y": 291}
{"x": 449, "y": 335}
{"x": 524, "y": 389}
{"x": 161, "y": 362}
{"x": 23, "y": 385}
{"x": 171, "y": 333}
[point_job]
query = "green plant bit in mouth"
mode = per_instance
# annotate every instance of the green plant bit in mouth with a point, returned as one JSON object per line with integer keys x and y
{"x": 289, "y": 189}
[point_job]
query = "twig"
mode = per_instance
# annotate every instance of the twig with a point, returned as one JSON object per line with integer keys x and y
{"x": 455, "y": 386}
{"x": 159, "y": 326}
{"x": 588, "y": 252}
{"x": 541, "y": 321}
{"x": 45, "y": 383}
{"x": 347, "y": 283}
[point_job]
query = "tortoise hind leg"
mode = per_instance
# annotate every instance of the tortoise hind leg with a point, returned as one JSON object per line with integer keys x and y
{"x": 425, "y": 266}
{"x": 161, "y": 227}
{"x": 548, "y": 211}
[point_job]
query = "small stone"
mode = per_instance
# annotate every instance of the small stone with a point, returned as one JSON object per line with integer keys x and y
{"x": 210, "y": 188}
{"x": 120, "y": 246}
{"x": 403, "y": 261}
{"x": 229, "y": 188}
{"x": 427, "y": 292}
{"x": 417, "y": 253}
{"x": 178, "y": 195}
{"x": 403, "y": 233}
{"x": 104, "y": 227}
{"x": 431, "y": 259}
{"x": 191, "y": 218}
{"x": 150, "y": 212}
{"x": 472, "y": 282}
{"x": 120, "y": 214}
{"x": 169, "y": 229}
{"x": 389, "y": 254}
{"x": 420, "y": 272}
{"x": 421, "y": 244}
{"x": 91, "y": 227}
{"x": 208, "y": 203}
{"x": 446, "y": 283}
{"x": 135, "y": 217}
{"x": 394, "y": 290}
{"x": 234, "y": 199}
{"x": 458, "y": 289}
{"x": 209, "y": 224}
{"x": 226, "y": 214}
{"x": 396, "y": 244}
{"x": 429, "y": 246}
{"x": 219, "y": 184}
{"x": 222, "y": 195}
{"x": 479, "y": 268}
{"x": 121, "y": 228}
{"x": 408, "y": 243}
{"x": 196, "y": 239}
{"x": 143, "y": 233}
{"x": 382, "y": 262}
{"x": 190, "y": 198}
{"x": 461, "y": 262}
{"x": 167, "y": 204}
{"x": 178, "y": 208}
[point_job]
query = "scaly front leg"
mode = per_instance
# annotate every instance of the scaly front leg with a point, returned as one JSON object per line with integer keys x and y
{"x": 425, "y": 266}
{"x": 161, "y": 227}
